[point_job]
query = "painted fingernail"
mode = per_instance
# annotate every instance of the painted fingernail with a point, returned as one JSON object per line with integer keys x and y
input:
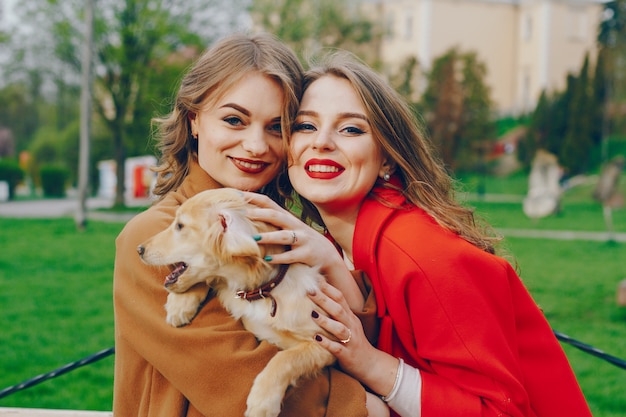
{"x": 256, "y": 237}
{"x": 268, "y": 258}
{"x": 318, "y": 337}
{"x": 315, "y": 314}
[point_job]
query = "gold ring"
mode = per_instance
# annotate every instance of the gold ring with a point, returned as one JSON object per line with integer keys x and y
{"x": 344, "y": 341}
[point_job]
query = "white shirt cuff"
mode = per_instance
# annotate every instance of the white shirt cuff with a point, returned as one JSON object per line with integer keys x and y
{"x": 405, "y": 397}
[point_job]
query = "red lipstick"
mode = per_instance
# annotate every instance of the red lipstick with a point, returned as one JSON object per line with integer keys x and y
{"x": 249, "y": 166}
{"x": 323, "y": 169}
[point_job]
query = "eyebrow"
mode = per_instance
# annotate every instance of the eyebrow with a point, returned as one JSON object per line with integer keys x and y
{"x": 236, "y": 107}
{"x": 346, "y": 115}
{"x": 244, "y": 110}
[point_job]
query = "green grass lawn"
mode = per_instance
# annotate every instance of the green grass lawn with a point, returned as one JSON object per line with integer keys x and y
{"x": 56, "y": 302}
{"x": 575, "y": 284}
{"x": 578, "y": 210}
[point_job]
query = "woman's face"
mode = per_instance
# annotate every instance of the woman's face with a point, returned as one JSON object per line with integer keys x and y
{"x": 239, "y": 135}
{"x": 336, "y": 159}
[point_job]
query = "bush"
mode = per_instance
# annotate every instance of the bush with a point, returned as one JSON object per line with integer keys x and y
{"x": 11, "y": 172}
{"x": 53, "y": 180}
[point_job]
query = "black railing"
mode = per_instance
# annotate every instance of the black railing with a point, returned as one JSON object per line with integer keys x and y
{"x": 620, "y": 363}
{"x": 57, "y": 372}
{"x": 107, "y": 352}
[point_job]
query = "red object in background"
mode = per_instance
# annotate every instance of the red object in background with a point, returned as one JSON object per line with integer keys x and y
{"x": 139, "y": 188}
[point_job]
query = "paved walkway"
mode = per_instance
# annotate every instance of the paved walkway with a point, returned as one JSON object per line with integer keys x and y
{"x": 563, "y": 235}
{"x": 61, "y": 207}
{"x": 66, "y": 207}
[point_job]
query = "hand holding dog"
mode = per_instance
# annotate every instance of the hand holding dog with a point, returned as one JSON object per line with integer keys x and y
{"x": 355, "y": 354}
{"x": 308, "y": 246}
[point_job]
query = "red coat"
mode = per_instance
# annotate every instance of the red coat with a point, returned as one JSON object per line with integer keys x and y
{"x": 463, "y": 317}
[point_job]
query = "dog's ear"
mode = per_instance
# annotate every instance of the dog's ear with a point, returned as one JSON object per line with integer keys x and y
{"x": 237, "y": 232}
{"x": 224, "y": 220}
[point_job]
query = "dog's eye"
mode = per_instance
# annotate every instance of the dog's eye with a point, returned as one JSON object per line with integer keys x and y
{"x": 179, "y": 226}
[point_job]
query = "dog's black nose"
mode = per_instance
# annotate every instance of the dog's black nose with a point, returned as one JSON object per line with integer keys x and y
{"x": 141, "y": 250}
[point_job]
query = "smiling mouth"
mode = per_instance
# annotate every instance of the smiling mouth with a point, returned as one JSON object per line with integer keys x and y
{"x": 249, "y": 166}
{"x": 172, "y": 278}
{"x": 322, "y": 168}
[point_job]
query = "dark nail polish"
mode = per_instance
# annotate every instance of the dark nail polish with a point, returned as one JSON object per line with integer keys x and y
{"x": 256, "y": 237}
{"x": 315, "y": 314}
{"x": 318, "y": 337}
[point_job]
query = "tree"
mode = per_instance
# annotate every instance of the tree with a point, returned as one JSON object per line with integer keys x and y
{"x": 477, "y": 122}
{"x": 86, "y": 104}
{"x": 7, "y": 143}
{"x": 457, "y": 108}
{"x": 307, "y": 26}
{"x": 577, "y": 143}
{"x": 599, "y": 99}
{"x": 570, "y": 123}
{"x": 442, "y": 105}
{"x": 539, "y": 127}
{"x": 404, "y": 79}
{"x": 15, "y": 104}
{"x": 560, "y": 117}
{"x": 132, "y": 40}
{"x": 612, "y": 42}
{"x": 612, "y": 29}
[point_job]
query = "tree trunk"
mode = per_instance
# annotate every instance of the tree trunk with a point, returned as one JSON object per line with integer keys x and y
{"x": 85, "y": 119}
{"x": 120, "y": 158}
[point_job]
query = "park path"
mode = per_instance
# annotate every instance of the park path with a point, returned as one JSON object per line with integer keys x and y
{"x": 563, "y": 235}
{"x": 66, "y": 207}
{"x": 60, "y": 207}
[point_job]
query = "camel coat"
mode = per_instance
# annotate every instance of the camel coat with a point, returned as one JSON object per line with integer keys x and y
{"x": 463, "y": 317}
{"x": 207, "y": 367}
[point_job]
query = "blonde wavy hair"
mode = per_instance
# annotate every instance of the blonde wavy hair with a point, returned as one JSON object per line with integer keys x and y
{"x": 212, "y": 75}
{"x": 400, "y": 135}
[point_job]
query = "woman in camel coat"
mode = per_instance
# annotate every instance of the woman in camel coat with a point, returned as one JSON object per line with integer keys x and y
{"x": 225, "y": 130}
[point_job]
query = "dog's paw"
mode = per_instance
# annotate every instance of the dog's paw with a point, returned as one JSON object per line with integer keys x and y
{"x": 179, "y": 319}
{"x": 263, "y": 410}
{"x": 266, "y": 406}
{"x": 182, "y": 308}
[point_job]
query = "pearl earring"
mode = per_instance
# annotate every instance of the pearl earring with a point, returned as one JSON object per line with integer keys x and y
{"x": 386, "y": 176}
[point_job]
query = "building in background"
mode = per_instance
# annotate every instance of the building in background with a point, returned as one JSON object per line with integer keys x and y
{"x": 527, "y": 45}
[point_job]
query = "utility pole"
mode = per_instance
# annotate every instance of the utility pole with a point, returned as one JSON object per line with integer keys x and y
{"x": 85, "y": 118}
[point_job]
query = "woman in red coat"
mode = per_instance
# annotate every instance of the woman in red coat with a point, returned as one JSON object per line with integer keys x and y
{"x": 460, "y": 335}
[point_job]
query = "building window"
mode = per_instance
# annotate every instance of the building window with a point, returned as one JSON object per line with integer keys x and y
{"x": 408, "y": 25}
{"x": 526, "y": 86}
{"x": 389, "y": 32}
{"x": 576, "y": 24}
{"x": 527, "y": 28}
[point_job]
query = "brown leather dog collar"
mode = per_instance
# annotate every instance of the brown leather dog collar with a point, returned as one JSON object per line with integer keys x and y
{"x": 264, "y": 290}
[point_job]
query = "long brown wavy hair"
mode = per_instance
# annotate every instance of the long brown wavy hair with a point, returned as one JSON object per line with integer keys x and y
{"x": 400, "y": 135}
{"x": 212, "y": 75}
